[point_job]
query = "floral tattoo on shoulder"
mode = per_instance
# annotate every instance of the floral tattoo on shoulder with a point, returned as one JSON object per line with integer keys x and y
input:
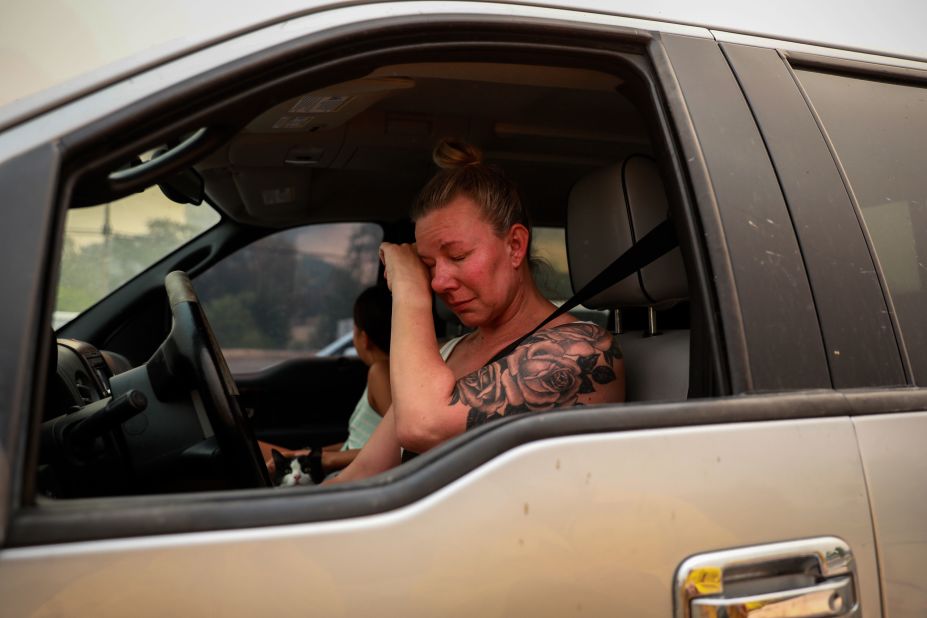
{"x": 550, "y": 369}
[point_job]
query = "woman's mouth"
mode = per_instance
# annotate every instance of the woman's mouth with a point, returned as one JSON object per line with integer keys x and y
{"x": 455, "y": 305}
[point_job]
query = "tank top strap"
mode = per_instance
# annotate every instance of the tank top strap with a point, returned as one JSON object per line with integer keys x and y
{"x": 449, "y": 346}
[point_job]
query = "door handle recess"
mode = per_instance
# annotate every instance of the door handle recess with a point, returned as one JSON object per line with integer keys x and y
{"x": 813, "y": 578}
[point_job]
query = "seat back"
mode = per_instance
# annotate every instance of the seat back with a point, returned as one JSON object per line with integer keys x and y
{"x": 608, "y": 211}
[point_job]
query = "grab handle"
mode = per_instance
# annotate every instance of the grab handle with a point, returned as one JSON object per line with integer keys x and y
{"x": 146, "y": 173}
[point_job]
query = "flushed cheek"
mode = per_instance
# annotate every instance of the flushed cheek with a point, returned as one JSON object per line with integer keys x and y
{"x": 482, "y": 272}
{"x": 481, "y": 285}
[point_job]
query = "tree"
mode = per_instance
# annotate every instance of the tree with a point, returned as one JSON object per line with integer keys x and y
{"x": 92, "y": 271}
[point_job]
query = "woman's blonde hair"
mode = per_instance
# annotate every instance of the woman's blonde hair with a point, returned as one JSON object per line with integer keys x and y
{"x": 462, "y": 172}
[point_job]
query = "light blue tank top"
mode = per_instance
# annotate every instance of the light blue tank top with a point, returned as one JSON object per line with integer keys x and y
{"x": 363, "y": 421}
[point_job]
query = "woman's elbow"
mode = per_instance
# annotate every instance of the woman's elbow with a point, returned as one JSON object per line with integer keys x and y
{"x": 419, "y": 436}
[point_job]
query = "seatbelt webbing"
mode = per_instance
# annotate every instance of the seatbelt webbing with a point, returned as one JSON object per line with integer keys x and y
{"x": 656, "y": 243}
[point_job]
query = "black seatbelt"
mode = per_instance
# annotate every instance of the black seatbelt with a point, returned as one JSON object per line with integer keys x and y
{"x": 656, "y": 243}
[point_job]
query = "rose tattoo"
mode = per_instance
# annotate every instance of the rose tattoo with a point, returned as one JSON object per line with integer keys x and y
{"x": 548, "y": 370}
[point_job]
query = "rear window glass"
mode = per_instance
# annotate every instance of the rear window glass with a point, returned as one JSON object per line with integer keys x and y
{"x": 878, "y": 130}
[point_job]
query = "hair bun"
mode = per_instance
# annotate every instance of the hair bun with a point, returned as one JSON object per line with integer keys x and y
{"x": 450, "y": 153}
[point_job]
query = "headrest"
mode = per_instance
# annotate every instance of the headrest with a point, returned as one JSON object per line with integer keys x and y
{"x": 608, "y": 211}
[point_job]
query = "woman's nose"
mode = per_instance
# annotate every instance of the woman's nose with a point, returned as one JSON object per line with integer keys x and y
{"x": 441, "y": 280}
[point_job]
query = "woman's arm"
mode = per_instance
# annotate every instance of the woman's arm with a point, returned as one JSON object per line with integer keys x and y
{"x": 421, "y": 382}
{"x": 569, "y": 365}
{"x": 572, "y": 364}
{"x": 381, "y": 453}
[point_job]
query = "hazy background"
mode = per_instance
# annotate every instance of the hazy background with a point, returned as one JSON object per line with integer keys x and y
{"x": 44, "y": 43}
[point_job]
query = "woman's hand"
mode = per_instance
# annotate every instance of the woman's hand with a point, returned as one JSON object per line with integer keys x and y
{"x": 404, "y": 271}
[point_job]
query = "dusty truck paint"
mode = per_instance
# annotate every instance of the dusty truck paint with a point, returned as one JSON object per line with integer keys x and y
{"x": 564, "y": 526}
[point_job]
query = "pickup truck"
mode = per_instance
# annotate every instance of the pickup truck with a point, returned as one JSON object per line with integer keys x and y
{"x": 769, "y": 460}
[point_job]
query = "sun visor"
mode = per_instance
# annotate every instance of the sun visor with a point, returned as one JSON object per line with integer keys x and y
{"x": 273, "y": 196}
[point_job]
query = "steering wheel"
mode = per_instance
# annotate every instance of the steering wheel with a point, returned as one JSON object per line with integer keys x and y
{"x": 191, "y": 358}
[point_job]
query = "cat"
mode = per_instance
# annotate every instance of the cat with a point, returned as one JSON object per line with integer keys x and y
{"x": 290, "y": 472}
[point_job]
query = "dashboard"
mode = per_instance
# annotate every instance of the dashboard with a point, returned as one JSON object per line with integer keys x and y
{"x": 107, "y": 430}
{"x": 82, "y": 377}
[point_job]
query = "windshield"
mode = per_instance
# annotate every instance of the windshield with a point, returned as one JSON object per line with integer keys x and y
{"x": 105, "y": 246}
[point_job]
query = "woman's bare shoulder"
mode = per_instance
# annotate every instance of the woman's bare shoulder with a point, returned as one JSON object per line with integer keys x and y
{"x": 589, "y": 331}
{"x": 585, "y": 340}
{"x": 571, "y": 364}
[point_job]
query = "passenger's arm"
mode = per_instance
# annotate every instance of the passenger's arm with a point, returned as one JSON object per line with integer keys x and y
{"x": 337, "y": 460}
{"x": 381, "y": 453}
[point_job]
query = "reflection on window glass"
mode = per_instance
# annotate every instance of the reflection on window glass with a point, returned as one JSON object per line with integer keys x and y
{"x": 290, "y": 294}
{"x": 105, "y": 246}
{"x": 552, "y": 272}
{"x": 892, "y": 233}
{"x": 878, "y": 130}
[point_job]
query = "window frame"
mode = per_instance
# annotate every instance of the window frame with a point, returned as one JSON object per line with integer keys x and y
{"x": 46, "y": 524}
{"x": 29, "y": 183}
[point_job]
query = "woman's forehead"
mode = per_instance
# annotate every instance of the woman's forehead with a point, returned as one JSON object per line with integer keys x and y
{"x": 459, "y": 221}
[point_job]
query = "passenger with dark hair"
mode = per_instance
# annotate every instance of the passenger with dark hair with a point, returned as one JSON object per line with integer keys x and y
{"x": 372, "y": 316}
{"x": 472, "y": 250}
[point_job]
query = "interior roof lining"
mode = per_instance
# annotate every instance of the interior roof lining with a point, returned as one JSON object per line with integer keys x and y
{"x": 557, "y": 152}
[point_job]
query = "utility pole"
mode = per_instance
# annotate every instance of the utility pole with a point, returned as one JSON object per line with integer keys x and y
{"x": 107, "y": 247}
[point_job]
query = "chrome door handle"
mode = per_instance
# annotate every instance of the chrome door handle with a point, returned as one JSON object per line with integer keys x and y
{"x": 831, "y": 599}
{"x": 812, "y": 578}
